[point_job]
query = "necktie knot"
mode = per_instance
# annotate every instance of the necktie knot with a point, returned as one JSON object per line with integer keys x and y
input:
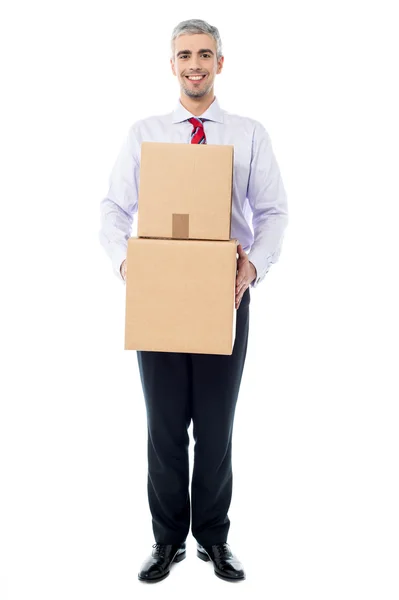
{"x": 196, "y": 121}
{"x": 198, "y": 133}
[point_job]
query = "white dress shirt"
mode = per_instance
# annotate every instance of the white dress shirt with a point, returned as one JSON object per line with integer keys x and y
{"x": 259, "y": 205}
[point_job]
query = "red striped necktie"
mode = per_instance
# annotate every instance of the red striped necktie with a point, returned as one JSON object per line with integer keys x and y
{"x": 198, "y": 133}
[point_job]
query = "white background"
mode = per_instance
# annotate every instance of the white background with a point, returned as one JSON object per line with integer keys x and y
{"x": 315, "y": 504}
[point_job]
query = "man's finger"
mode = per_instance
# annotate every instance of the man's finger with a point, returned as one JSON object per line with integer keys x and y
{"x": 240, "y": 286}
{"x": 239, "y": 295}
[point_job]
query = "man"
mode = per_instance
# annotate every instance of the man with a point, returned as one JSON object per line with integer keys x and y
{"x": 202, "y": 388}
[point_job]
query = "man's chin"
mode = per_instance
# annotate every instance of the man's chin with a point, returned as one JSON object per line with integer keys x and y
{"x": 194, "y": 94}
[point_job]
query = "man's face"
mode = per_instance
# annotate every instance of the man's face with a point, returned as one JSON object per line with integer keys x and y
{"x": 196, "y": 55}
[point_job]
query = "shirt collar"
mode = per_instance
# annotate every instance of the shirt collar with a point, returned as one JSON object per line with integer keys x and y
{"x": 212, "y": 113}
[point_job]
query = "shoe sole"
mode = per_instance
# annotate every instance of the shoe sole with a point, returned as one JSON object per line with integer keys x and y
{"x": 206, "y": 558}
{"x": 178, "y": 558}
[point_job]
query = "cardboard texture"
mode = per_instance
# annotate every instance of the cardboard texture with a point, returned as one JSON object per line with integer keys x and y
{"x": 185, "y": 191}
{"x": 180, "y": 295}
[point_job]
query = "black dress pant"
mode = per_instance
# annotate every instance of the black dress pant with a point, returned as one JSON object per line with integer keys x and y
{"x": 178, "y": 388}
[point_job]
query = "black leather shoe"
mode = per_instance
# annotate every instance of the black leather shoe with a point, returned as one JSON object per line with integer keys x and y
{"x": 225, "y": 564}
{"x": 157, "y": 566}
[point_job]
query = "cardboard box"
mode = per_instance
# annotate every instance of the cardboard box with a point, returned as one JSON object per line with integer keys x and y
{"x": 180, "y": 295}
{"x": 185, "y": 191}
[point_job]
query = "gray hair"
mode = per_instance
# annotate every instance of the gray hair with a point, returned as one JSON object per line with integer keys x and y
{"x": 197, "y": 26}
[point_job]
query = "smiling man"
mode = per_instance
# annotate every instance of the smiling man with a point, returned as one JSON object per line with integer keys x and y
{"x": 180, "y": 388}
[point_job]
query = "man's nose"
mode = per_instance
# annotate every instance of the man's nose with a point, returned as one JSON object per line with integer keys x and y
{"x": 194, "y": 65}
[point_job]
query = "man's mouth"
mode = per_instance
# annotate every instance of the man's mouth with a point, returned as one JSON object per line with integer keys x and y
{"x": 195, "y": 78}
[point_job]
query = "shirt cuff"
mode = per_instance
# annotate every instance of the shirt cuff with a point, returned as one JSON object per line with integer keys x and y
{"x": 260, "y": 273}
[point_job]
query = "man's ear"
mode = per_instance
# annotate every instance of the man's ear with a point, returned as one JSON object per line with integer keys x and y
{"x": 172, "y": 64}
{"x": 220, "y": 65}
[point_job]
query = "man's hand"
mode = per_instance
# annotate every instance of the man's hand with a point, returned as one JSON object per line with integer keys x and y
{"x": 123, "y": 269}
{"x": 245, "y": 275}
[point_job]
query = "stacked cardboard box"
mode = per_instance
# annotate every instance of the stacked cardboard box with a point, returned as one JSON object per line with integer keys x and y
{"x": 181, "y": 267}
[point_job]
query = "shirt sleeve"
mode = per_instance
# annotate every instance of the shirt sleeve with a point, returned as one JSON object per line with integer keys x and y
{"x": 268, "y": 202}
{"x": 120, "y": 204}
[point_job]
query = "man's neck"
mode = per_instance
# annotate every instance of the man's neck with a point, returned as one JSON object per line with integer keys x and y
{"x": 197, "y": 106}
